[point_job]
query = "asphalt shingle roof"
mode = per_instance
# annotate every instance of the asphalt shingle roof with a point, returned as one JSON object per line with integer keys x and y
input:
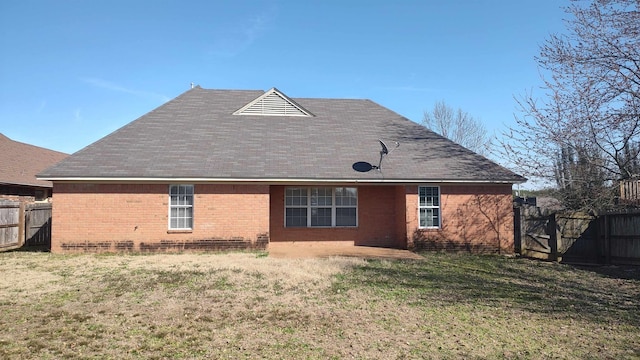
{"x": 197, "y": 136}
{"x": 20, "y": 162}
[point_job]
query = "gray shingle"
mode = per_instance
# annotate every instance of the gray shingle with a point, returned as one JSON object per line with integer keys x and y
{"x": 196, "y": 136}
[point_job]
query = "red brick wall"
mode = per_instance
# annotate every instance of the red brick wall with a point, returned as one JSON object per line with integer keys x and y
{"x": 401, "y": 217}
{"x": 123, "y": 217}
{"x": 475, "y": 218}
{"x": 376, "y": 220}
{"x": 134, "y": 217}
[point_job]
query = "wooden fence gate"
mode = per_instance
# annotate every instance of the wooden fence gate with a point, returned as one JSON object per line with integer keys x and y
{"x": 535, "y": 234}
{"x": 22, "y": 225}
{"x": 38, "y": 225}
{"x": 11, "y": 225}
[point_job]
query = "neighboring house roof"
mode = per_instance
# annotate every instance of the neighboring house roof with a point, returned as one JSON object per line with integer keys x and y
{"x": 19, "y": 162}
{"x": 237, "y": 135}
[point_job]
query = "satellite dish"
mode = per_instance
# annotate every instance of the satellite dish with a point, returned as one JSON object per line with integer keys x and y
{"x": 385, "y": 149}
{"x": 363, "y": 166}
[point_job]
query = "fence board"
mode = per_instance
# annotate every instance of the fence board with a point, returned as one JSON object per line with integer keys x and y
{"x": 630, "y": 192}
{"x": 11, "y": 225}
{"x": 38, "y": 224}
{"x": 578, "y": 240}
{"x": 624, "y": 237}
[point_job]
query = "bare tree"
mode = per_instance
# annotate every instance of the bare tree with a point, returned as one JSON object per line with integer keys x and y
{"x": 580, "y": 184}
{"x": 591, "y": 99}
{"x": 458, "y": 126}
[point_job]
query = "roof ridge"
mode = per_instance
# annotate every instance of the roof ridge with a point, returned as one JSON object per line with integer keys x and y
{"x": 6, "y": 138}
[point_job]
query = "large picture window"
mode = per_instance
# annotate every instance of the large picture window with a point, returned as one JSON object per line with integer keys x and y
{"x": 429, "y": 206}
{"x": 321, "y": 207}
{"x": 180, "y": 207}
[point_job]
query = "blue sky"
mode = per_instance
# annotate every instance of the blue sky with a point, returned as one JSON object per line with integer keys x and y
{"x": 73, "y": 71}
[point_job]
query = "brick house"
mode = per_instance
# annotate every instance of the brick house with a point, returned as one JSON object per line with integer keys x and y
{"x": 19, "y": 164}
{"x": 223, "y": 169}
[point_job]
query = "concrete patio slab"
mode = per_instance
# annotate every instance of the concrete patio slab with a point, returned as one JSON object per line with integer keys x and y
{"x": 311, "y": 249}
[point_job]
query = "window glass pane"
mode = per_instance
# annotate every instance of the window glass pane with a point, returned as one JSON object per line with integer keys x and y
{"x": 429, "y": 196}
{"x": 346, "y": 196}
{"x": 424, "y": 221}
{"x": 188, "y": 223}
{"x": 339, "y": 197}
{"x": 296, "y": 196}
{"x": 173, "y": 190}
{"x": 423, "y": 196}
{"x": 321, "y": 217}
{"x": 429, "y": 217}
{"x": 174, "y": 223}
{"x": 436, "y": 217}
{"x": 296, "y": 217}
{"x": 321, "y": 197}
{"x": 298, "y": 200}
{"x": 345, "y": 217}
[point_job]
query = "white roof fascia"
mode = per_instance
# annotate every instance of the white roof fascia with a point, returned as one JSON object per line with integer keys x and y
{"x": 283, "y": 181}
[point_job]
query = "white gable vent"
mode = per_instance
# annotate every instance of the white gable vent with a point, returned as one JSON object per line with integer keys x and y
{"x": 273, "y": 103}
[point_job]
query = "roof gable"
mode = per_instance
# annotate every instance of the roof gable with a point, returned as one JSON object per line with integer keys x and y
{"x": 273, "y": 103}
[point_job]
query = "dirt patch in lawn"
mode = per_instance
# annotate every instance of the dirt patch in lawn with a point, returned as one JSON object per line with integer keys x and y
{"x": 252, "y": 305}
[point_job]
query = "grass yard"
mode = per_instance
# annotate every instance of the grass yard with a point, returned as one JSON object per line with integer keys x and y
{"x": 248, "y": 305}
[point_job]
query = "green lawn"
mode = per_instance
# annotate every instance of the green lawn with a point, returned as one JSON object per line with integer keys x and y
{"x": 248, "y": 305}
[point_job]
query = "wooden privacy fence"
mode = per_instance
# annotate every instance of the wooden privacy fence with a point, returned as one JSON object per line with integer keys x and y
{"x": 630, "y": 192}
{"x": 608, "y": 238}
{"x": 24, "y": 224}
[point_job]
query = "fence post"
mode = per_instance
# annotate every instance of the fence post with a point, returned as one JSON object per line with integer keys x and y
{"x": 21, "y": 226}
{"x": 553, "y": 237}
{"x": 607, "y": 239}
{"x": 27, "y": 221}
{"x": 517, "y": 230}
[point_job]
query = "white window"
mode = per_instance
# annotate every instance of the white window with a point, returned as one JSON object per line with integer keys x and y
{"x": 429, "y": 206}
{"x": 181, "y": 207}
{"x": 321, "y": 207}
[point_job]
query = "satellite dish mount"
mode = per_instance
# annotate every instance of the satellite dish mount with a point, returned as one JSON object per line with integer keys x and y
{"x": 384, "y": 151}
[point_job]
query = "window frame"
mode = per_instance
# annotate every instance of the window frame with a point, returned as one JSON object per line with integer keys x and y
{"x": 181, "y": 206}
{"x": 438, "y": 207}
{"x": 309, "y": 206}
